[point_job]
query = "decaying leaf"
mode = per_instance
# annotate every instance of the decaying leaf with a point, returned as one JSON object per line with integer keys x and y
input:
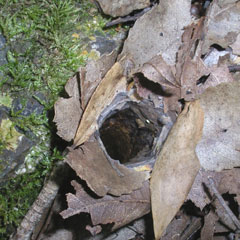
{"x": 113, "y": 83}
{"x": 226, "y": 181}
{"x": 219, "y": 147}
{"x": 104, "y": 175}
{"x": 68, "y": 111}
{"x": 176, "y": 167}
{"x": 162, "y": 33}
{"x": 222, "y": 24}
{"x": 118, "y": 210}
{"x": 117, "y": 8}
{"x": 92, "y": 74}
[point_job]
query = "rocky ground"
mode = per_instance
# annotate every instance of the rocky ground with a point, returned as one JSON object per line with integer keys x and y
{"x": 41, "y": 46}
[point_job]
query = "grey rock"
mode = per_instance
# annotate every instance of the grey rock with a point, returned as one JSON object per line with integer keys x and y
{"x": 10, "y": 160}
{"x": 3, "y": 50}
{"x": 28, "y": 106}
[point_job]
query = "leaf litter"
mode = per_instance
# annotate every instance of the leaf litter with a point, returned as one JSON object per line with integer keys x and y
{"x": 182, "y": 65}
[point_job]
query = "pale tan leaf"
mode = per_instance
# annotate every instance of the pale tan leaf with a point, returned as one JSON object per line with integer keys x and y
{"x": 176, "y": 167}
{"x": 68, "y": 111}
{"x": 92, "y": 74}
{"x": 219, "y": 147}
{"x": 113, "y": 83}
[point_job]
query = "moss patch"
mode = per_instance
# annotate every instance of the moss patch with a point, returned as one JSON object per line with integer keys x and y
{"x": 8, "y": 135}
{"x": 45, "y": 44}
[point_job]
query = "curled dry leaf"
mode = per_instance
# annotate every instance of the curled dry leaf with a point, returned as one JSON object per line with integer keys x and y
{"x": 222, "y": 24}
{"x": 104, "y": 175}
{"x": 68, "y": 111}
{"x": 219, "y": 147}
{"x": 176, "y": 167}
{"x": 118, "y": 210}
{"x": 162, "y": 32}
{"x": 113, "y": 83}
{"x": 117, "y": 8}
{"x": 92, "y": 74}
{"x": 158, "y": 80}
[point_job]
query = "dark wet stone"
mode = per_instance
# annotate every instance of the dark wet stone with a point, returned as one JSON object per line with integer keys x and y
{"x": 103, "y": 45}
{"x": 29, "y": 106}
{"x": 21, "y": 46}
{"x": 10, "y": 161}
{"x": 3, "y": 50}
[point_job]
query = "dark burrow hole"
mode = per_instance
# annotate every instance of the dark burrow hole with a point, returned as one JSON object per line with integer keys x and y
{"x": 126, "y": 136}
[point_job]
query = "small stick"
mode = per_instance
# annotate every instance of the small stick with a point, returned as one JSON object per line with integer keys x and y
{"x": 223, "y": 203}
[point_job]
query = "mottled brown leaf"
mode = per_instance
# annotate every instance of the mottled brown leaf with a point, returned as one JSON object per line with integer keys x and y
{"x": 222, "y": 24}
{"x": 104, "y": 175}
{"x": 67, "y": 116}
{"x": 68, "y": 111}
{"x": 118, "y": 210}
{"x": 220, "y": 143}
{"x": 176, "y": 167}
{"x": 226, "y": 181}
{"x": 158, "y": 32}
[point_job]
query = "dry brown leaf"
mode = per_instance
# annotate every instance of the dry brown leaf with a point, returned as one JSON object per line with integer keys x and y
{"x": 68, "y": 111}
{"x": 162, "y": 32}
{"x": 104, "y": 175}
{"x": 92, "y": 74}
{"x": 113, "y": 83}
{"x": 118, "y": 210}
{"x": 176, "y": 167}
{"x": 72, "y": 87}
{"x": 222, "y": 24}
{"x": 219, "y": 147}
{"x": 117, "y": 8}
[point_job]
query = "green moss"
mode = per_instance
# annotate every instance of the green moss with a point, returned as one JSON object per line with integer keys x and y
{"x": 45, "y": 43}
{"x": 8, "y": 135}
{"x": 5, "y": 100}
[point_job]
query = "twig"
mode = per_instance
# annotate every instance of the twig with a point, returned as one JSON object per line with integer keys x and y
{"x": 234, "y": 68}
{"x": 127, "y": 18}
{"x": 43, "y": 201}
{"x": 222, "y": 202}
